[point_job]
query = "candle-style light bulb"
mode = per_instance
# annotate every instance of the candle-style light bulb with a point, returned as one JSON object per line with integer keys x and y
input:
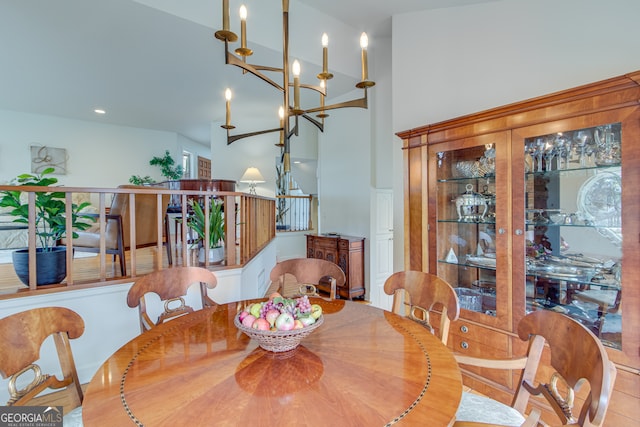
{"x": 296, "y": 84}
{"x": 243, "y": 50}
{"x": 325, "y": 53}
{"x": 364, "y": 43}
{"x": 227, "y": 96}
{"x": 325, "y": 74}
{"x": 243, "y": 26}
{"x": 323, "y": 86}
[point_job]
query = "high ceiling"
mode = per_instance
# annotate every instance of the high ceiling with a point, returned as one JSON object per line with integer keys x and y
{"x": 148, "y": 68}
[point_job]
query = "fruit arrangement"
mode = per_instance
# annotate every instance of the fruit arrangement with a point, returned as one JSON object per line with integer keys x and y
{"x": 280, "y": 314}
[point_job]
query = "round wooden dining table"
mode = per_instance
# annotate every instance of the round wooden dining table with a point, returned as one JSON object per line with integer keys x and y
{"x": 362, "y": 367}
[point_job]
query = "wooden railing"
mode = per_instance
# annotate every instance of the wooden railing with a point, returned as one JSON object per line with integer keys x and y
{"x": 294, "y": 213}
{"x": 252, "y": 219}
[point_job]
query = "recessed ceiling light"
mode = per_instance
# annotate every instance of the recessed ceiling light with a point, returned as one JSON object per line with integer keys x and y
{"x": 99, "y": 111}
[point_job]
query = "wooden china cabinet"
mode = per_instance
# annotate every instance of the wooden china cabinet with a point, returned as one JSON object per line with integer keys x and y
{"x": 535, "y": 206}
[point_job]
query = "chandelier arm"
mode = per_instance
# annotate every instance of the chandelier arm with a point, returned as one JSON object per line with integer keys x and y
{"x": 234, "y": 60}
{"x": 359, "y": 103}
{"x": 293, "y": 131}
{"x": 317, "y": 124}
{"x": 266, "y": 68}
{"x": 233, "y": 138}
{"x": 317, "y": 88}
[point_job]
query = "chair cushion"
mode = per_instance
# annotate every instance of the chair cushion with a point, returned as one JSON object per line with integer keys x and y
{"x": 482, "y": 409}
{"x": 73, "y": 418}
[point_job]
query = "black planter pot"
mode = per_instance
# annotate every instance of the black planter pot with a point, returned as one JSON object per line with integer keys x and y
{"x": 51, "y": 267}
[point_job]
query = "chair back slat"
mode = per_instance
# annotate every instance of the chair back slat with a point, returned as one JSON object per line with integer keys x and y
{"x": 22, "y": 335}
{"x": 426, "y": 291}
{"x": 308, "y": 271}
{"x": 576, "y": 355}
{"x": 170, "y": 284}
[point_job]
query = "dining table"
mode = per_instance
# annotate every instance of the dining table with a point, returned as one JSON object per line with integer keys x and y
{"x": 364, "y": 366}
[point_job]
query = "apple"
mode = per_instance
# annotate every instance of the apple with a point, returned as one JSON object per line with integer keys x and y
{"x": 307, "y": 320}
{"x": 297, "y": 324}
{"x": 248, "y": 320}
{"x": 261, "y": 324}
{"x": 285, "y": 322}
{"x": 271, "y": 315}
{"x": 255, "y": 309}
{"x": 316, "y": 311}
{"x": 242, "y": 315}
{"x": 274, "y": 295}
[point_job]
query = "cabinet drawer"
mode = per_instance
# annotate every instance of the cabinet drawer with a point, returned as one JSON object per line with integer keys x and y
{"x": 473, "y": 340}
{"x": 469, "y": 332}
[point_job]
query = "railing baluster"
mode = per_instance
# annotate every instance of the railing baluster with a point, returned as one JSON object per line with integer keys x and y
{"x": 250, "y": 219}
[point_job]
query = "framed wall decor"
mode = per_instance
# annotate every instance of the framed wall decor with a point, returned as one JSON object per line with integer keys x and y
{"x": 43, "y": 157}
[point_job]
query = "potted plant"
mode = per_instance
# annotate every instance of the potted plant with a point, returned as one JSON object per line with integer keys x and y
{"x": 196, "y": 222}
{"x": 168, "y": 169}
{"x": 50, "y": 222}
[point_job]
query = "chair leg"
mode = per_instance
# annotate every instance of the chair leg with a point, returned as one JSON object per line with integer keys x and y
{"x": 167, "y": 232}
{"x": 332, "y": 292}
{"x": 123, "y": 262}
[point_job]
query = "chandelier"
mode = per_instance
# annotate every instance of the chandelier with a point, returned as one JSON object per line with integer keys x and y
{"x": 288, "y": 112}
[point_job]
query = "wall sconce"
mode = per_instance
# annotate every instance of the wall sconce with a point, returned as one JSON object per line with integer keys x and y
{"x": 252, "y": 176}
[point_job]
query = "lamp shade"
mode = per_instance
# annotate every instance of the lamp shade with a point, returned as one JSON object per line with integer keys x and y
{"x": 252, "y": 175}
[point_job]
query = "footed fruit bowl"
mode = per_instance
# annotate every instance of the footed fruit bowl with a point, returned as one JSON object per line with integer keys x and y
{"x": 280, "y": 323}
{"x": 278, "y": 341}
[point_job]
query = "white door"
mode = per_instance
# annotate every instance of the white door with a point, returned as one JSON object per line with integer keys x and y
{"x": 382, "y": 264}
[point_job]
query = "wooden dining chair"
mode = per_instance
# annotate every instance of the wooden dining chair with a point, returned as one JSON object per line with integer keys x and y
{"x": 22, "y": 335}
{"x": 577, "y": 356}
{"x": 171, "y": 285}
{"x": 119, "y": 224}
{"x": 416, "y": 293}
{"x": 308, "y": 274}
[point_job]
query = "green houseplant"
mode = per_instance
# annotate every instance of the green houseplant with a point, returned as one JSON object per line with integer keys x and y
{"x": 196, "y": 222}
{"x": 50, "y": 222}
{"x": 168, "y": 169}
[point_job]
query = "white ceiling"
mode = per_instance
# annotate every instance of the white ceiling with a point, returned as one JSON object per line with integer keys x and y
{"x": 146, "y": 67}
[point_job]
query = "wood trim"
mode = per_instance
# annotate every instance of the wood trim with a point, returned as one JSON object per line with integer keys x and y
{"x": 612, "y": 93}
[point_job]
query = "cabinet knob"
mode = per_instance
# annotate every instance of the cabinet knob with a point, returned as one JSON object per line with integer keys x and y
{"x": 501, "y": 230}
{"x": 464, "y": 345}
{"x": 464, "y": 329}
{"x": 518, "y": 232}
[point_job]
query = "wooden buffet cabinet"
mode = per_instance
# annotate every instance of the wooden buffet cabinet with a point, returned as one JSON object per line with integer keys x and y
{"x": 348, "y": 253}
{"x": 524, "y": 207}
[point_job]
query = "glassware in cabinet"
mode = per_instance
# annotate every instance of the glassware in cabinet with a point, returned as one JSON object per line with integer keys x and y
{"x": 573, "y": 237}
{"x": 466, "y": 225}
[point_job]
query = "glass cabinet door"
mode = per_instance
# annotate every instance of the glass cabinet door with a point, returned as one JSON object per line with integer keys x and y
{"x": 470, "y": 250}
{"x": 573, "y": 227}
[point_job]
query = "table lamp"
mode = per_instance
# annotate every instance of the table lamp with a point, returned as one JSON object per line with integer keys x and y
{"x": 252, "y": 176}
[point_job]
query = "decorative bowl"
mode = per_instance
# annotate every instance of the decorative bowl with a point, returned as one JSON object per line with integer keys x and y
{"x": 278, "y": 341}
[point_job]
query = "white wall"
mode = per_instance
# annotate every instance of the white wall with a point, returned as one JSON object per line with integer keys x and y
{"x": 230, "y": 161}
{"x": 456, "y": 61}
{"x": 471, "y": 58}
{"x": 380, "y": 100}
{"x": 344, "y": 174}
{"x": 99, "y": 155}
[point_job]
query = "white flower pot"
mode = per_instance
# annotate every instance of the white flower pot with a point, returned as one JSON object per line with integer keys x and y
{"x": 216, "y": 255}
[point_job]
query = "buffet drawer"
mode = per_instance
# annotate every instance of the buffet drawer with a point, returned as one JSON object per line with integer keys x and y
{"x": 473, "y": 340}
